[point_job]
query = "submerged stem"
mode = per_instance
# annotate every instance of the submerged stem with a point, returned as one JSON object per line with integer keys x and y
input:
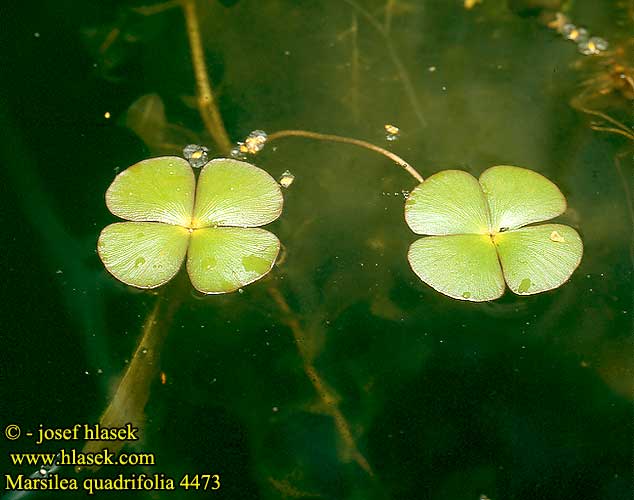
{"x": 325, "y": 395}
{"x": 207, "y": 105}
{"x": 348, "y": 140}
{"x": 133, "y": 392}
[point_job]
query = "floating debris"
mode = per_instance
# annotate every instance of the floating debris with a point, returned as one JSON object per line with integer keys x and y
{"x": 106, "y": 115}
{"x": 560, "y": 21}
{"x": 392, "y": 132}
{"x": 254, "y": 143}
{"x": 594, "y": 46}
{"x": 555, "y": 236}
{"x": 470, "y": 4}
{"x": 286, "y": 179}
{"x": 587, "y": 45}
{"x": 196, "y": 155}
{"x": 572, "y": 32}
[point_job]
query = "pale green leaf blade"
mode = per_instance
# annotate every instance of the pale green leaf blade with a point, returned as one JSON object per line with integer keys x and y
{"x": 223, "y": 259}
{"x": 155, "y": 190}
{"x": 236, "y": 193}
{"x": 449, "y": 202}
{"x": 518, "y": 196}
{"x": 538, "y": 258}
{"x": 143, "y": 254}
{"x": 462, "y": 266}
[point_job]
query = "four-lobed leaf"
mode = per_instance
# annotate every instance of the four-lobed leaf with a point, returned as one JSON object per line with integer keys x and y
{"x": 213, "y": 223}
{"x": 478, "y": 238}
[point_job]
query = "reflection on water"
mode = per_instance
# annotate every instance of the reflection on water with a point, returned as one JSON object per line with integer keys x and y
{"x": 340, "y": 375}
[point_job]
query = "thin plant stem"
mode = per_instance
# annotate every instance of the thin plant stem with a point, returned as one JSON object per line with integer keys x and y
{"x": 384, "y": 31}
{"x": 325, "y": 395}
{"x": 206, "y": 100}
{"x": 133, "y": 392}
{"x": 348, "y": 140}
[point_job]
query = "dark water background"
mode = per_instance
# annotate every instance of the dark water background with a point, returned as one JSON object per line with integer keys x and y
{"x": 525, "y": 397}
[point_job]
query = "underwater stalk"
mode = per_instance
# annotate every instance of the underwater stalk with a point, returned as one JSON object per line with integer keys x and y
{"x": 325, "y": 395}
{"x": 348, "y": 140}
{"x": 207, "y": 105}
{"x": 132, "y": 394}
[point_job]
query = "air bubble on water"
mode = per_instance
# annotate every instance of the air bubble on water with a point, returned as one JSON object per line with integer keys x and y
{"x": 144, "y": 350}
{"x": 405, "y": 193}
{"x": 43, "y": 471}
{"x": 240, "y": 290}
{"x": 196, "y": 155}
{"x": 594, "y": 46}
{"x": 286, "y": 179}
{"x": 237, "y": 152}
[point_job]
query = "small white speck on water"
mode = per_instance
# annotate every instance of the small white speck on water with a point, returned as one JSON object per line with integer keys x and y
{"x": 431, "y": 69}
{"x": 275, "y": 409}
{"x": 36, "y": 34}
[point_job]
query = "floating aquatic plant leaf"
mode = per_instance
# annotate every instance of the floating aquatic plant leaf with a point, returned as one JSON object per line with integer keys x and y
{"x": 463, "y": 266}
{"x": 223, "y": 259}
{"x": 235, "y": 193}
{"x": 158, "y": 195}
{"x": 517, "y": 196}
{"x": 449, "y": 202}
{"x": 143, "y": 254}
{"x": 475, "y": 223}
{"x": 159, "y": 189}
{"x": 538, "y": 258}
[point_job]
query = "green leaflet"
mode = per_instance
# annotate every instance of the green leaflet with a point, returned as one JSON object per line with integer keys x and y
{"x": 474, "y": 221}
{"x": 172, "y": 217}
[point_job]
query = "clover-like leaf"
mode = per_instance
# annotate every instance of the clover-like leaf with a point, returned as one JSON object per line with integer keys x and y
{"x": 235, "y": 193}
{"x": 518, "y": 196}
{"x": 479, "y": 236}
{"x": 465, "y": 259}
{"x": 449, "y": 202}
{"x": 143, "y": 254}
{"x": 223, "y": 259}
{"x": 159, "y": 189}
{"x": 538, "y": 258}
{"x": 213, "y": 224}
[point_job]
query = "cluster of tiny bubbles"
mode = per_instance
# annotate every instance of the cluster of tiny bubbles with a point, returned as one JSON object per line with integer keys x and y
{"x": 404, "y": 193}
{"x": 392, "y": 132}
{"x": 586, "y": 44}
{"x": 196, "y": 155}
{"x": 253, "y": 144}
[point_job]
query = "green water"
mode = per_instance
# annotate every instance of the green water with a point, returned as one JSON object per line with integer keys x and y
{"x": 524, "y": 397}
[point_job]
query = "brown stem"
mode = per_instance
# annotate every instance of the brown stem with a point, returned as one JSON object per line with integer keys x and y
{"x": 207, "y": 105}
{"x": 347, "y": 140}
{"x": 327, "y": 398}
{"x": 132, "y": 394}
